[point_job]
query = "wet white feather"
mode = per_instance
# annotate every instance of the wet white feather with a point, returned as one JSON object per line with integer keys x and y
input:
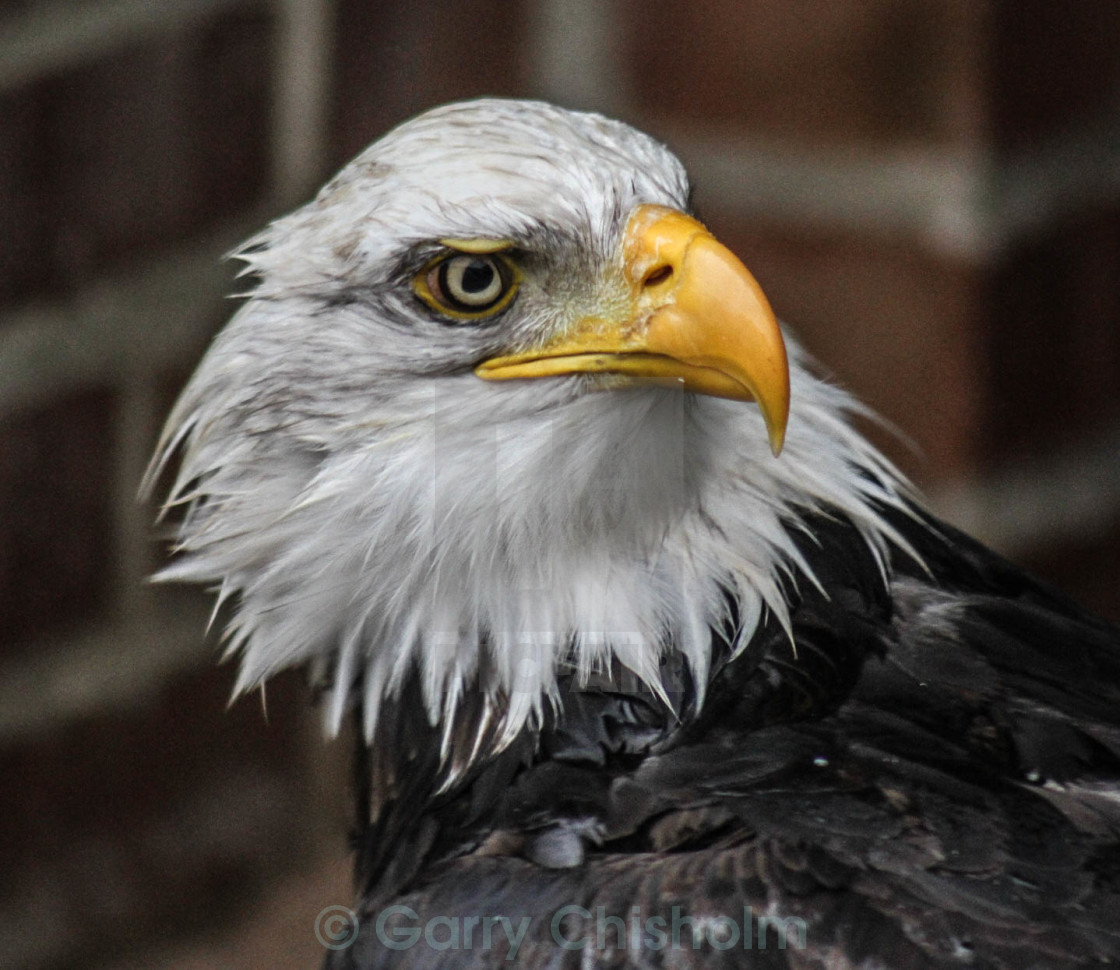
{"x": 372, "y": 507}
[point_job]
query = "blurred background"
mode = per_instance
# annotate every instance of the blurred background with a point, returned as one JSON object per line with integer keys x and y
{"x": 928, "y": 190}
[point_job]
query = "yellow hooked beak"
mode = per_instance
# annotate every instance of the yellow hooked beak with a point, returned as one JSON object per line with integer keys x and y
{"x": 696, "y": 319}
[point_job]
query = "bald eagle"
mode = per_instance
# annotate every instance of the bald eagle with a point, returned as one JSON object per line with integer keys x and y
{"x": 654, "y": 660}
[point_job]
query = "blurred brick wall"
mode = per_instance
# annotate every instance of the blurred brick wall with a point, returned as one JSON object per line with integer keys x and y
{"x": 926, "y": 189}
{"x": 137, "y": 810}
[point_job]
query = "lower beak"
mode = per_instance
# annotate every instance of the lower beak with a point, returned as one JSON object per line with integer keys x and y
{"x": 697, "y": 319}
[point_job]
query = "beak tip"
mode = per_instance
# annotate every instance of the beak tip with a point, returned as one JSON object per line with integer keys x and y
{"x": 775, "y": 411}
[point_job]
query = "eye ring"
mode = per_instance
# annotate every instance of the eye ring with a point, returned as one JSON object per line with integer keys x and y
{"x": 467, "y": 285}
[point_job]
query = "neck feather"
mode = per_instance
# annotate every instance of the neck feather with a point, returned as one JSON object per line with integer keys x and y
{"x": 496, "y": 556}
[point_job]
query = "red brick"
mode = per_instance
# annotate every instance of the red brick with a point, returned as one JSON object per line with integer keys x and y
{"x": 124, "y": 155}
{"x": 1053, "y": 342}
{"x": 144, "y": 824}
{"x": 394, "y": 60}
{"x": 1052, "y": 67}
{"x": 893, "y": 323}
{"x": 1089, "y": 570}
{"x": 55, "y": 508}
{"x": 27, "y": 204}
{"x": 818, "y": 71}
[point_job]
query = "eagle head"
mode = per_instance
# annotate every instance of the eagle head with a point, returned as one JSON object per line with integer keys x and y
{"x": 500, "y": 410}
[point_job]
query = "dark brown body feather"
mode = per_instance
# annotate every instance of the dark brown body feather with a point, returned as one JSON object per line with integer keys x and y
{"x": 929, "y": 778}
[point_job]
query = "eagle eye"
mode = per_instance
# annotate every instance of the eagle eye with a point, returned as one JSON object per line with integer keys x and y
{"x": 467, "y": 285}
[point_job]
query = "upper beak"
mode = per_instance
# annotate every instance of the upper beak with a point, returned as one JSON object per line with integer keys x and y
{"x": 696, "y": 319}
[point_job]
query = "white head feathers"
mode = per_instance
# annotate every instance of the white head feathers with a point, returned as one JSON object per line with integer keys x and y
{"x": 373, "y": 506}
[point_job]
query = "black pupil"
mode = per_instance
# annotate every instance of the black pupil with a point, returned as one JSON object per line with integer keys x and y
{"x": 478, "y": 276}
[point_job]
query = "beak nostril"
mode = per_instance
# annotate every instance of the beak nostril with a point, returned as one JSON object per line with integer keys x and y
{"x": 658, "y": 275}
